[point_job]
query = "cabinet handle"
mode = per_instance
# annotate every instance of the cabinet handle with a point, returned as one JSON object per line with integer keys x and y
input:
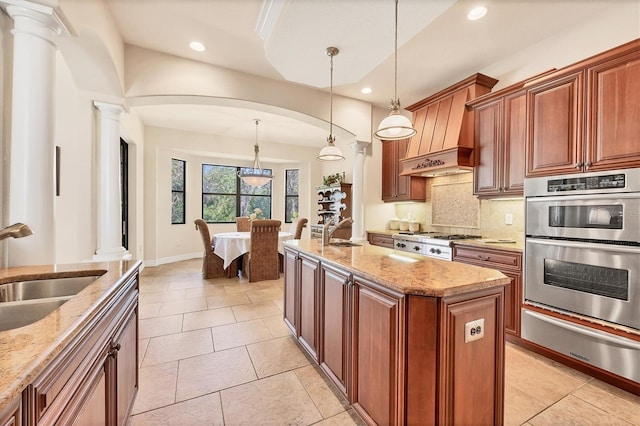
{"x": 577, "y": 165}
{"x": 114, "y": 350}
{"x": 587, "y": 164}
{"x": 485, "y": 258}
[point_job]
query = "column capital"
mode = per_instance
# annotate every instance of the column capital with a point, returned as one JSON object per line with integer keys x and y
{"x": 35, "y": 19}
{"x": 360, "y": 147}
{"x": 109, "y": 110}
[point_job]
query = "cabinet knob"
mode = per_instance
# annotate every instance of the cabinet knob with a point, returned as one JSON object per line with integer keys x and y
{"x": 587, "y": 164}
{"x": 485, "y": 258}
{"x": 114, "y": 350}
{"x": 577, "y": 165}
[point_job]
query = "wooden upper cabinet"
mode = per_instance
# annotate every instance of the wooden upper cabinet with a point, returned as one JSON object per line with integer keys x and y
{"x": 394, "y": 186}
{"x": 613, "y": 113}
{"x": 499, "y": 143}
{"x": 585, "y": 117}
{"x": 554, "y": 126}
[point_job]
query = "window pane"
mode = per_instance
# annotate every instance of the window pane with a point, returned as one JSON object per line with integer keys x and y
{"x": 177, "y": 207}
{"x": 291, "y": 209}
{"x": 248, "y": 204}
{"x": 218, "y": 208}
{"x": 218, "y": 179}
{"x": 292, "y": 182}
{"x": 177, "y": 175}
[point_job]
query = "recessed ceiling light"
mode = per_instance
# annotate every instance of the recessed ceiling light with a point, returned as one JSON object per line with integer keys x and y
{"x": 366, "y": 90}
{"x": 477, "y": 13}
{"x": 197, "y": 46}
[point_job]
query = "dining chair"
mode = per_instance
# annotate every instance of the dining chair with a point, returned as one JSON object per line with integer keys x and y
{"x": 296, "y": 227}
{"x": 243, "y": 224}
{"x": 263, "y": 257}
{"x": 212, "y": 264}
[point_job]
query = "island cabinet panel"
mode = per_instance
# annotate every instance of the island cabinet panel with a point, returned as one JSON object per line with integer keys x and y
{"x": 471, "y": 364}
{"x": 335, "y": 326}
{"x": 309, "y": 269}
{"x": 12, "y": 414}
{"x": 291, "y": 280}
{"x": 95, "y": 379}
{"x": 378, "y": 356}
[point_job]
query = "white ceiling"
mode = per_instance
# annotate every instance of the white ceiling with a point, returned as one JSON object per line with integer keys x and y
{"x": 439, "y": 46}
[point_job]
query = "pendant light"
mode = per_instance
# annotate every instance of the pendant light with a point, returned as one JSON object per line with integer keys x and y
{"x": 255, "y": 176}
{"x": 331, "y": 152}
{"x": 395, "y": 126}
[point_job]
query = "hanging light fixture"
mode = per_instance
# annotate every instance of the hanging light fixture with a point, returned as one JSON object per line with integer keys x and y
{"x": 395, "y": 126}
{"x": 331, "y": 152}
{"x": 255, "y": 176}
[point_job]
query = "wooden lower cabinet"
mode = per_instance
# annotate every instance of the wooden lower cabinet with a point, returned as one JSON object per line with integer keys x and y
{"x": 382, "y": 240}
{"x": 334, "y": 325}
{"x": 12, "y": 415}
{"x": 309, "y": 269}
{"x": 403, "y": 359}
{"x": 94, "y": 380}
{"x": 291, "y": 281}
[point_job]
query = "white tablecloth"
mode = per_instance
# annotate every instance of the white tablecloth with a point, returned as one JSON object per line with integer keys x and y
{"x": 230, "y": 245}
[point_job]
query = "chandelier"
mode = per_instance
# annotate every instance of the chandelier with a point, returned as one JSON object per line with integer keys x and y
{"x": 395, "y": 126}
{"x": 255, "y": 176}
{"x": 331, "y": 152}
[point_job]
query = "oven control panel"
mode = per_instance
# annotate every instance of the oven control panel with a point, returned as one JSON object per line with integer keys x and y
{"x": 612, "y": 181}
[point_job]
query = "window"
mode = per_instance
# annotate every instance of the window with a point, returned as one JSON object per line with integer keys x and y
{"x": 291, "y": 195}
{"x": 225, "y": 196}
{"x": 178, "y": 168}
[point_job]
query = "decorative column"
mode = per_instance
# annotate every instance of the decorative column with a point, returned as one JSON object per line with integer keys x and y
{"x": 357, "y": 191}
{"x": 108, "y": 194}
{"x": 31, "y": 177}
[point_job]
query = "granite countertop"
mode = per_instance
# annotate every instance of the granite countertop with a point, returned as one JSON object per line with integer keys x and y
{"x": 404, "y": 272}
{"x": 26, "y": 351}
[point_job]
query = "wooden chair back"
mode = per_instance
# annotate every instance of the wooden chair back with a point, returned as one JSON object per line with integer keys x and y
{"x": 296, "y": 227}
{"x": 243, "y": 224}
{"x": 263, "y": 257}
{"x": 212, "y": 265}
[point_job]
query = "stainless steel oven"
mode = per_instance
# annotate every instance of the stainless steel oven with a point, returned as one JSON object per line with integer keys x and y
{"x": 582, "y": 258}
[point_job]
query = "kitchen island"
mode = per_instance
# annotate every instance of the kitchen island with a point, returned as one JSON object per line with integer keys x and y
{"x": 78, "y": 364}
{"x": 405, "y": 338}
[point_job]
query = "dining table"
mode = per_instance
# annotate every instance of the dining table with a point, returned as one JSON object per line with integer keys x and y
{"x": 231, "y": 245}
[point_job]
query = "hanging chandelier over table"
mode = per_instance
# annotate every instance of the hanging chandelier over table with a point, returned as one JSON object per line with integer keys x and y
{"x": 255, "y": 176}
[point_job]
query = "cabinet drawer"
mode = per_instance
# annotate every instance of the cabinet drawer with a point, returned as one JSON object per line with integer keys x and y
{"x": 500, "y": 259}
{"x": 381, "y": 240}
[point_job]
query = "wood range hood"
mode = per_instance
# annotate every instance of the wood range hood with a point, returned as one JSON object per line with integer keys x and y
{"x": 443, "y": 143}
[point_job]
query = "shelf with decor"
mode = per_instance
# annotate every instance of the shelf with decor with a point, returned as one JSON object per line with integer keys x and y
{"x": 334, "y": 204}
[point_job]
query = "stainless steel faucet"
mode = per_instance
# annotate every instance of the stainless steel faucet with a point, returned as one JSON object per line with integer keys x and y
{"x": 17, "y": 230}
{"x": 326, "y": 233}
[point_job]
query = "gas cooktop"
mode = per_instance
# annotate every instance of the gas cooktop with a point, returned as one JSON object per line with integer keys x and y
{"x": 438, "y": 235}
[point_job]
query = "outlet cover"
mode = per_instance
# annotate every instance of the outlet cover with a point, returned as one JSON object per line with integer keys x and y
{"x": 474, "y": 330}
{"x": 508, "y": 219}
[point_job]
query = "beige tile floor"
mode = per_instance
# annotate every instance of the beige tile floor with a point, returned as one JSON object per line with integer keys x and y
{"x": 216, "y": 352}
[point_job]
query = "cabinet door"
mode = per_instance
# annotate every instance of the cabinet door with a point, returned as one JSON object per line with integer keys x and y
{"x": 394, "y": 186}
{"x": 512, "y": 303}
{"x": 291, "y": 282}
{"x": 308, "y": 329}
{"x": 487, "y": 142}
{"x": 126, "y": 374}
{"x": 377, "y": 354}
{"x": 515, "y": 131}
{"x": 554, "y": 126}
{"x": 12, "y": 415}
{"x": 613, "y": 109}
{"x": 94, "y": 409}
{"x": 389, "y": 170}
{"x": 334, "y": 326}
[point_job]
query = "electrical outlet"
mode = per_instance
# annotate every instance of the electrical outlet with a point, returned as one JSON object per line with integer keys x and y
{"x": 474, "y": 330}
{"x": 508, "y": 219}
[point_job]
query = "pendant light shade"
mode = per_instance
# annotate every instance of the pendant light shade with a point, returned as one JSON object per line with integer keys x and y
{"x": 331, "y": 152}
{"x": 255, "y": 176}
{"x": 395, "y": 126}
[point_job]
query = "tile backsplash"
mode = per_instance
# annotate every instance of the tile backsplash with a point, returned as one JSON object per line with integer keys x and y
{"x": 466, "y": 214}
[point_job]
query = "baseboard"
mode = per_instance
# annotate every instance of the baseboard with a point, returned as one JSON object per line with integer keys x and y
{"x": 172, "y": 259}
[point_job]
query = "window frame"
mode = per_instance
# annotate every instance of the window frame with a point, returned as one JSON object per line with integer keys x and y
{"x": 183, "y": 191}
{"x": 287, "y": 196}
{"x": 238, "y": 193}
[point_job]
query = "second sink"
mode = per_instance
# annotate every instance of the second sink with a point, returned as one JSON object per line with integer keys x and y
{"x": 40, "y": 289}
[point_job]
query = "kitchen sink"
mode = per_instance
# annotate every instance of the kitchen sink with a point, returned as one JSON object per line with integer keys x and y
{"x": 25, "y": 312}
{"x": 344, "y": 244}
{"x": 40, "y": 289}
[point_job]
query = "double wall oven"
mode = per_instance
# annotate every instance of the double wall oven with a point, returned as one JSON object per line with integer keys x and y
{"x": 582, "y": 259}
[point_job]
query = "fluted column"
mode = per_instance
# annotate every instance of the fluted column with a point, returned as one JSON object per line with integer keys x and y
{"x": 31, "y": 176}
{"x": 357, "y": 193}
{"x": 108, "y": 195}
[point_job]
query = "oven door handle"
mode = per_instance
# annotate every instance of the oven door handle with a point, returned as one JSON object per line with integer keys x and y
{"x": 584, "y": 330}
{"x": 579, "y": 245}
{"x": 613, "y": 196}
